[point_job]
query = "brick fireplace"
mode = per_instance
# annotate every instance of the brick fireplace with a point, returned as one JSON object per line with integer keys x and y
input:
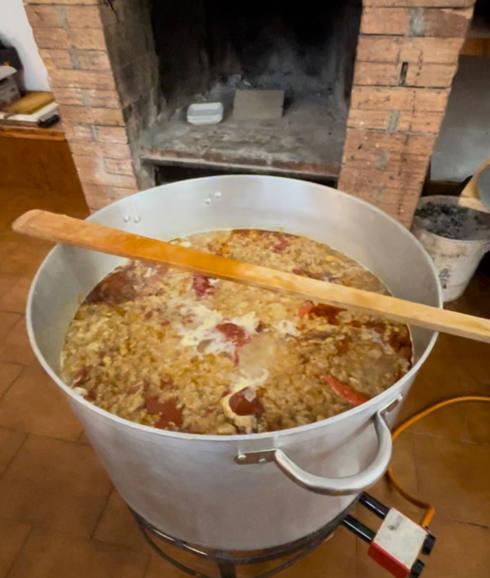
{"x": 363, "y": 108}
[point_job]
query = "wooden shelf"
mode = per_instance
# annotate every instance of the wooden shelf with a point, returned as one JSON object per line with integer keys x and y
{"x": 477, "y": 42}
{"x": 56, "y": 132}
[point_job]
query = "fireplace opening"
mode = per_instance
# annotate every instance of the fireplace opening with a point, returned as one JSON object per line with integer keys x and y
{"x": 208, "y": 50}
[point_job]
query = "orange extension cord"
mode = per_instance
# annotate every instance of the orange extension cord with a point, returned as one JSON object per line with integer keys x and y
{"x": 429, "y": 509}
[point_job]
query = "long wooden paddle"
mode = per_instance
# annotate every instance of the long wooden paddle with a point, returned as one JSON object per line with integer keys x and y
{"x": 71, "y": 231}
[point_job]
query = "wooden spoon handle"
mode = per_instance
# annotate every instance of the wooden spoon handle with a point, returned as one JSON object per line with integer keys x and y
{"x": 67, "y": 230}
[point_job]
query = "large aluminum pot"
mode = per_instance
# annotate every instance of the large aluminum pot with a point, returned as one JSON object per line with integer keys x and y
{"x": 240, "y": 492}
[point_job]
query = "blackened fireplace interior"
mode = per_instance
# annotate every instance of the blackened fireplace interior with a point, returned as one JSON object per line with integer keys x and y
{"x": 207, "y": 50}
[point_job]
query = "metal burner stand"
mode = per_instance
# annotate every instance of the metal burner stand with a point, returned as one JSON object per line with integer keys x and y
{"x": 227, "y": 562}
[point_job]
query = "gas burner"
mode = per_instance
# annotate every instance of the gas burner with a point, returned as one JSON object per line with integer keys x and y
{"x": 227, "y": 562}
{"x": 396, "y": 545}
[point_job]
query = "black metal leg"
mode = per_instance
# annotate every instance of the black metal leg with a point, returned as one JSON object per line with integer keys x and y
{"x": 358, "y": 528}
{"x": 226, "y": 569}
{"x": 285, "y": 555}
{"x": 373, "y": 505}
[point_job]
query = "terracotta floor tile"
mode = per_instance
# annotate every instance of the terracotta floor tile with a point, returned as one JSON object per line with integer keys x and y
{"x": 8, "y": 374}
{"x": 478, "y": 422}
{"x": 13, "y": 535}
{"x": 16, "y": 297}
{"x": 478, "y": 373}
{"x": 48, "y": 555}
{"x": 20, "y": 256}
{"x": 117, "y": 526}
{"x": 6, "y": 283}
{"x": 56, "y": 485}
{"x": 454, "y": 477}
{"x": 461, "y": 551}
{"x": 10, "y": 442}
{"x": 7, "y": 322}
{"x": 440, "y": 378}
{"x": 22, "y": 264}
{"x": 35, "y": 404}
{"x": 459, "y": 347}
{"x": 478, "y": 413}
{"x": 16, "y": 348}
{"x": 475, "y": 298}
{"x": 335, "y": 558}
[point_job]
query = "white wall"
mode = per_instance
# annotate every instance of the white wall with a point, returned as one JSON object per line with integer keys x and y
{"x": 16, "y": 31}
{"x": 464, "y": 141}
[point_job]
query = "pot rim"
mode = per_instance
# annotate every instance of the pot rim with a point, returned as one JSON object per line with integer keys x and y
{"x": 372, "y": 404}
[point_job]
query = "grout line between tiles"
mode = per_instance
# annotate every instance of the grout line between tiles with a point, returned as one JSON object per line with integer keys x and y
{"x": 20, "y": 552}
{"x": 23, "y": 368}
{"x": 10, "y": 462}
{"x": 101, "y": 513}
{"x": 450, "y": 439}
{"x": 147, "y": 566}
{"x": 464, "y": 522}
{"x": 75, "y": 441}
{"x": 28, "y": 435}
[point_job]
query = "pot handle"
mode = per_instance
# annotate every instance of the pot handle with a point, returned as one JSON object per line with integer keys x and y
{"x": 349, "y": 485}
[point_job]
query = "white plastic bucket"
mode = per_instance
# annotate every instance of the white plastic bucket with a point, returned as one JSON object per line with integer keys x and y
{"x": 455, "y": 259}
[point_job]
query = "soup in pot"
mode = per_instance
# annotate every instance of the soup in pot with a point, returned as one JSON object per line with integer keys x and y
{"x": 186, "y": 352}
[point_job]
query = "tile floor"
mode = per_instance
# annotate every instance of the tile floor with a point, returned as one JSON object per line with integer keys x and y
{"x": 60, "y": 516}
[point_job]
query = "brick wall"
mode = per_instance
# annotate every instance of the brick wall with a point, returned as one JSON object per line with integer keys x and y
{"x": 79, "y": 41}
{"x": 407, "y": 55}
{"x": 130, "y": 45}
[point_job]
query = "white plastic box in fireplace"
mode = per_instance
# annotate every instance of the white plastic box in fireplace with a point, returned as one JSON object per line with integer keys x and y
{"x": 205, "y": 113}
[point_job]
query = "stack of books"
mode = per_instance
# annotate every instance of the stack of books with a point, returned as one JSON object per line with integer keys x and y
{"x": 36, "y": 108}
